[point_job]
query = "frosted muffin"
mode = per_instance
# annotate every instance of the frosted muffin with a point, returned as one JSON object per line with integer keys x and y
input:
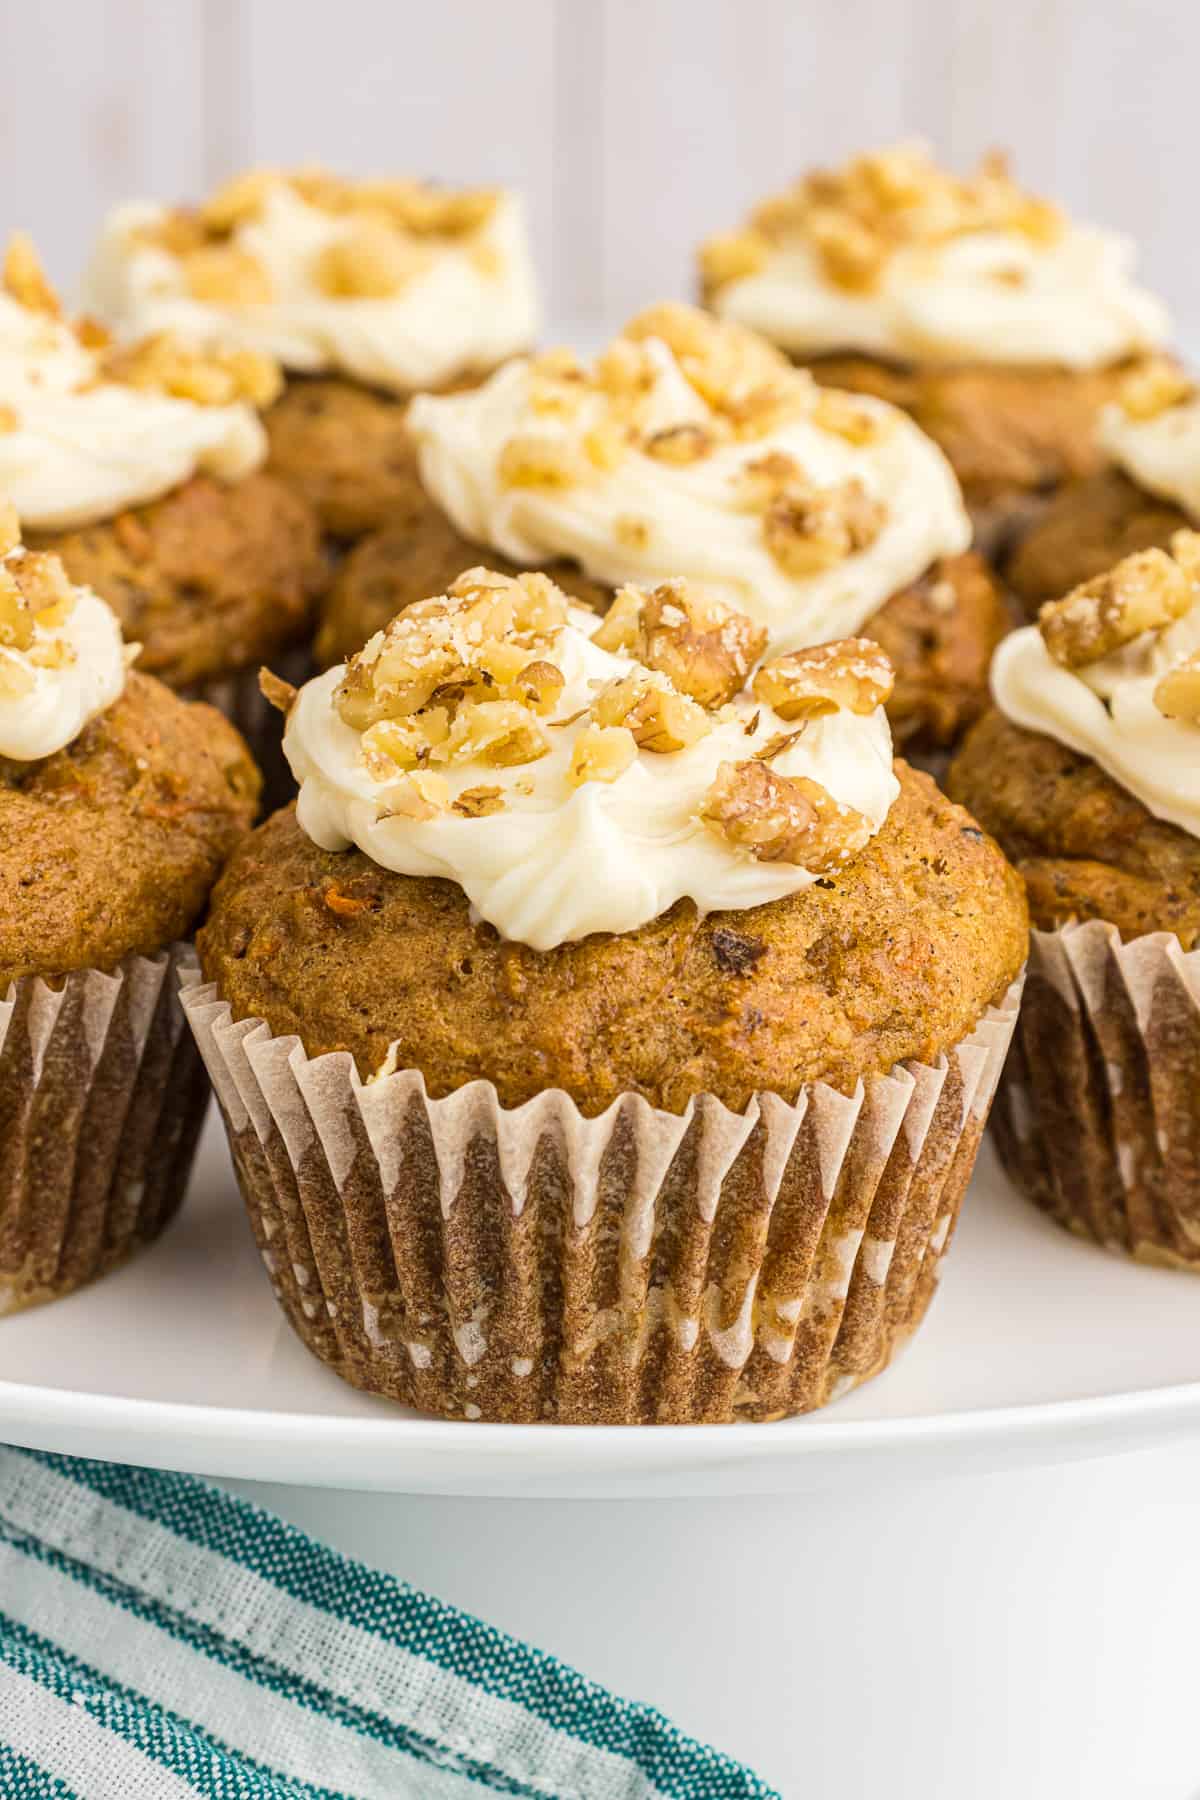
{"x": 646, "y": 1015}
{"x": 141, "y": 467}
{"x": 999, "y": 324}
{"x": 366, "y": 291}
{"x": 1088, "y": 772}
{"x": 1150, "y": 490}
{"x": 692, "y": 447}
{"x": 119, "y": 802}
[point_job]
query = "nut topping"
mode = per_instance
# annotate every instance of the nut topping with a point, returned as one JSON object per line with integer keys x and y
{"x": 1142, "y": 593}
{"x": 852, "y": 675}
{"x": 659, "y": 718}
{"x": 163, "y": 364}
{"x": 25, "y": 280}
{"x": 1154, "y": 386}
{"x": 226, "y": 275}
{"x": 705, "y": 648}
{"x": 1177, "y": 695}
{"x": 809, "y": 528}
{"x": 782, "y": 818}
{"x": 600, "y": 753}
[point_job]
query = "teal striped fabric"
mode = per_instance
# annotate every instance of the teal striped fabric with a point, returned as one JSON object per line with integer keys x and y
{"x": 160, "y": 1639}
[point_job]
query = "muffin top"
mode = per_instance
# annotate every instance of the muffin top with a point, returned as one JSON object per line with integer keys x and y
{"x": 895, "y": 257}
{"x": 88, "y": 429}
{"x": 1089, "y": 769}
{"x": 118, "y": 802}
{"x": 1153, "y": 433}
{"x": 620, "y": 862}
{"x": 398, "y": 284}
{"x": 575, "y": 778}
{"x": 693, "y": 448}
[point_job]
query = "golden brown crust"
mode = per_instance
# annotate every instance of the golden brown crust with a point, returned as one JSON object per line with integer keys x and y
{"x": 1085, "y": 846}
{"x": 210, "y": 580}
{"x": 939, "y": 633}
{"x": 112, "y": 844}
{"x": 1008, "y": 431}
{"x": 1086, "y": 530}
{"x": 345, "y": 448}
{"x": 896, "y": 957}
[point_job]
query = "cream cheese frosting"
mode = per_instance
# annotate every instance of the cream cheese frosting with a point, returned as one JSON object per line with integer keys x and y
{"x": 78, "y": 445}
{"x": 1160, "y": 452}
{"x": 547, "y": 852}
{"x": 892, "y": 257}
{"x": 691, "y": 449}
{"x": 1120, "y": 709}
{"x": 315, "y": 278}
{"x": 62, "y": 660}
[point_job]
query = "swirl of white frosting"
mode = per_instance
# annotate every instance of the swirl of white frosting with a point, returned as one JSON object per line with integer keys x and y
{"x": 1106, "y": 710}
{"x": 986, "y": 297}
{"x": 1162, "y": 453}
{"x": 646, "y": 520}
{"x": 560, "y": 862}
{"x": 72, "y": 670}
{"x": 78, "y": 447}
{"x": 470, "y": 306}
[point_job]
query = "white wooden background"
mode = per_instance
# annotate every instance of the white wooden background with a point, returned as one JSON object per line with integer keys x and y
{"x": 633, "y": 126}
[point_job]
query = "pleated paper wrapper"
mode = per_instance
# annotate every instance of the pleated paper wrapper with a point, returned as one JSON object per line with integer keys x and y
{"x": 1098, "y": 1117}
{"x": 240, "y": 699}
{"x": 637, "y": 1267}
{"x": 102, "y": 1094}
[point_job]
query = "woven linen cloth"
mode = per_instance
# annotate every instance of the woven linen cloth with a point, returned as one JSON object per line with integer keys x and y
{"x": 161, "y": 1639}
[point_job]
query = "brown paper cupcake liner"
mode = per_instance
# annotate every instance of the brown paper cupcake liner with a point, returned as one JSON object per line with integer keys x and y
{"x": 1098, "y": 1116}
{"x": 240, "y": 699}
{"x": 102, "y": 1094}
{"x": 637, "y": 1267}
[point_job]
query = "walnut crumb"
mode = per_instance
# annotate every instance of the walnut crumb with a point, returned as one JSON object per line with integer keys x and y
{"x": 276, "y": 691}
{"x": 1177, "y": 695}
{"x": 852, "y": 674}
{"x": 783, "y": 818}
{"x": 659, "y": 719}
{"x": 600, "y": 753}
{"x": 478, "y": 802}
{"x": 1144, "y": 592}
{"x": 705, "y": 648}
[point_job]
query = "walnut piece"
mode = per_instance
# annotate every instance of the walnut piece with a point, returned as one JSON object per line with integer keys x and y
{"x": 478, "y": 802}
{"x": 782, "y": 818}
{"x": 35, "y": 592}
{"x": 1177, "y": 695}
{"x": 730, "y": 256}
{"x": 1154, "y": 386}
{"x": 851, "y": 675}
{"x": 600, "y": 753}
{"x": 705, "y": 648}
{"x": 1143, "y": 592}
{"x": 420, "y": 796}
{"x": 226, "y": 275}
{"x": 808, "y": 528}
{"x": 370, "y": 262}
{"x": 659, "y": 718}
{"x": 25, "y": 280}
{"x": 163, "y": 364}
{"x": 680, "y": 444}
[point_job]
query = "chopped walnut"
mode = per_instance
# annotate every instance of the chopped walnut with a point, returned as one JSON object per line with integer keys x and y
{"x": 1177, "y": 695}
{"x": 163, "y": 364}
{"x": 531, "y": 461}
{"x": 852, "y": 675}
{"x": 847, "y": 417}
{"x": 371, "y": 262}
{"x": 478, "y": 802}
{"x": 420, "y": 796}
{"x": 679, "y": 444}
{"x": 25, "y": 280}
{"x": 809, "y": 528}
{"x": 237, "y": 200}
{"x": 16, "y": 619}
{"x": 1143, "y": 593}
{"x": 279, "y": 694}
{"x": 499, "y": 732}
{"x": 35, "y": 592}
{"x": 659, "y": 718}
{"x": 540, "y": 685}
{"x": 852, "y": 253}
{"x": 705, "y": 648}
{"x": 1154, "y": 386}
{"x": 226, "y": 275}
{"x": 783, "y": 818}
{"x": 600, "y": 753}
{"x": 729, "y": 257}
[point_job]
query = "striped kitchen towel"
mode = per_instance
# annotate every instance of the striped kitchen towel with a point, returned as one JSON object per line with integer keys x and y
{"x": 161, "y": 1639}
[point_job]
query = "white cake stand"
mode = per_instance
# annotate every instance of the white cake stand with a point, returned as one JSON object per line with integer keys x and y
{"x": 958, "y": 1584}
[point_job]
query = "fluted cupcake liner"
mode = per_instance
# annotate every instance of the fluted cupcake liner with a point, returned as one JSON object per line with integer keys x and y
{"x": 102, "y": 1094}
{"x": 240, "y": 699}
{"x": 1098, "y": 1117}
{"x": 637, "y": 1267}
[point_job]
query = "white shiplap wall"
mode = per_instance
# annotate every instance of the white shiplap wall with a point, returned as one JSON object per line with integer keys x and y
{"x": 634, "y": 126}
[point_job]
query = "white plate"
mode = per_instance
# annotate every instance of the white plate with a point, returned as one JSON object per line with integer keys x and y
{"x": 1038, "y": 1347}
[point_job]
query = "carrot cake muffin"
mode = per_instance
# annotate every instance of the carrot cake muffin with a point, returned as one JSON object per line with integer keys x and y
{"x": 1088, "y": 772}
{"x": 1001, "y": 326}
{"x": 141, "y": 467}
{"x": 692, "y": 447}
{"x": 1150, "y": 491}
{"x": 119, "y": 802}
{"x": 366, "y": 292}
{"x": 648, "y": 1012}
